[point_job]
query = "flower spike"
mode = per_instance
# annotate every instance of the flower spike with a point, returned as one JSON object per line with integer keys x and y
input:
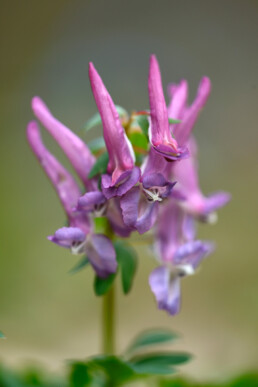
{"x": 122, "y": 175}
{"x": 159, "y": 133}
{"x": 74, "y": 148}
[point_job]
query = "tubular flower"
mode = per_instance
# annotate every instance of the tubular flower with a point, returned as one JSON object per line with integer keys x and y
{"x": 74, "y": 148}
{"x": 179, "y": 110}
{"x": 194, "y": 202}
{"x": 122, "y": 174}
{"x": 159, "y": 131}
{"x": 79, "y": 235}
{"x": 179, "y": 253}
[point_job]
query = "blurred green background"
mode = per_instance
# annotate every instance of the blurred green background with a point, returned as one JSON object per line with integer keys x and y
{"x": 49, "y": 316}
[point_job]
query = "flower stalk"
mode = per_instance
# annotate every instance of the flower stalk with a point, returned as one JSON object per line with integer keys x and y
{"x": 108, "y": 322}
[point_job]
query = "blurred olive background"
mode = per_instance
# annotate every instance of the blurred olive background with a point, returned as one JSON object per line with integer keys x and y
{"x": 50, "y": 316}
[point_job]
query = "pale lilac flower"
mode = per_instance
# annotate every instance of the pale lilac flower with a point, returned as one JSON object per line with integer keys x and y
{"x": 179, "y": 110}
{"x": 122, "y": 174}
{"x": 194, "y": 202}
{"x": 159, "y": 131}
{"x": 179, "y": 254}
{"x": 79, "y": 235}
{"x": 75, "y": 149}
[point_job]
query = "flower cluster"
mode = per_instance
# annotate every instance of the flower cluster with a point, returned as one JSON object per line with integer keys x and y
{"x": 144, "y": 177}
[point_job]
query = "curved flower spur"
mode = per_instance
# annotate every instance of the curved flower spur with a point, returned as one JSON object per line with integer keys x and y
{"x": 147, "y": 181}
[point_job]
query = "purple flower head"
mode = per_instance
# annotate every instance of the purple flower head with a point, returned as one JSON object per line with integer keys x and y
{"x": 122, "y": 174}
{"x": 159, "y": 132}
{"x": 75, "y": 149}
{"x": 195, "y": 203}
{"x": 180, "y": 254}
{"x": 188, "y": 115}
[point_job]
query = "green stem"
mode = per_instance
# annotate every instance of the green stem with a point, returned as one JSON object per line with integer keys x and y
{"x": 108, "y": 322}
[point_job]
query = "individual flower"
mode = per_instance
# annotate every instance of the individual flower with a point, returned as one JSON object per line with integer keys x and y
{"x": 179, "y": 253}
{"x": 122, "y": 174}
{"x": 140, "y": 204}
{"x": 79, "y": 236}
{"x": 194, "y": 202}
{"x": 160, "y": 135}
{"x": 179, "y": 110}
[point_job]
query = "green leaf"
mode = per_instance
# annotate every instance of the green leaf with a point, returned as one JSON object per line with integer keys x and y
{"x": 143, "y": 122}
{"x": 153, "y": 369}
{"x": 96, "y": 119}
{"x": 127, "y": 259}
{"x": 102, "y": 285}
{"x": 80, "y": 375}
{"x": 139, "y": 140}
{"x": 96, "y": 144}
{"x": 152, "y": 337}
{"x": 100, "y": 166}
{"x": 116, "y": 370}
{"x": 2, "y": 336}
{"x": 158, "y": 363}
{"x": 84, "y": 261}
{"x": 172, "y": 121}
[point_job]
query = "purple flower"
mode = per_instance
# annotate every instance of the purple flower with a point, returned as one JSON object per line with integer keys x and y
{"x": 74, "y": 148}
{"x": 78, "y": 236}
{"x": 122, "y": 174}
{"x": 179, "y": 110}
{"x": 140, "y": 204}
{"x": 159, "y": 131}
{"x": 179, "y": 253}
{"x": 97, "y": 247}
{"x": 195, "y": 203}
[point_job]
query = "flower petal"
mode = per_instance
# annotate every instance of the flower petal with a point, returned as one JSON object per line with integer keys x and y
{"x": 165, "y": 289}
{"x": 67, "y": 236}
{"x": 101, "y": 254}
{"x": 88, "y": 201}
{"x": 122, "y": 185}
{"x": 178, "y": 95}
{"x": 138, "y": 214}
{"x": 74, "y": 148}
{"x": 216, "y": 201}
{"x": 192, "y": 253}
